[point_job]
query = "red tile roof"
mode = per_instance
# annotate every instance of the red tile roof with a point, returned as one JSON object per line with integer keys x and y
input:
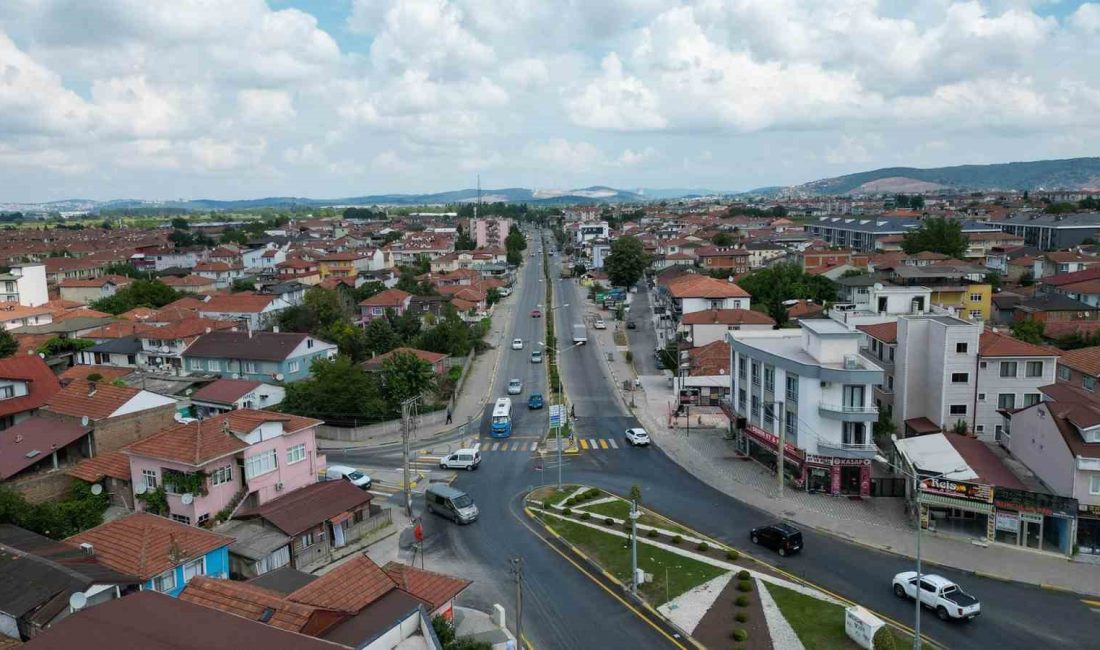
{"x": 188, "y": 281}
{"x": 79, "y": 399}
{"x": 113, "y": 463}
{"x": 387, "y": 298}
{"x": 1056, "y": 329}
{"x": 702, "y": 286}
{"x": 1062, "y": 279}
{"x": 106, "y": 373}
{"x": 116, "y": 330}
{"x": 995, "y": 344}
{"x": 183, "y": 329}
{"x": 1086, "y": 360}
{"x": 348, "y": 588}
{"x": 80, "y": 313}
{"x": 309, "y": 506}
{"x": 436, "y": 589}
{"x": 727, "y": 317}
{"x": 42, "y": 384}
{"x": 117, "y": 280}
{"x": 225, "y": 391}
{"x": 248, "y": 601}
{"x": 238, "y": 303}
{"x": 804, "y": 308}
{"x": 710, "y": 360}
{"x": 423, "y": 355}
{"x": 984, "y": 462}
{"x": 885, "y": 332}
{"x": 146, "y": 545}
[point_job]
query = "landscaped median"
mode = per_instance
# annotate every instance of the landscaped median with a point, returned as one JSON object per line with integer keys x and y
{"x": 714, "y": 595}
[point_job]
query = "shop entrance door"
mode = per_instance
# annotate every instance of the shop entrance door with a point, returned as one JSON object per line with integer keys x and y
{"x": 1031, "y": 527}
{"x": 849, "y": 480}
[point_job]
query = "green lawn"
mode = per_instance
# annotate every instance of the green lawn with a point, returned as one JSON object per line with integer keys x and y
{"x": 613, "y": 554}
{"x": 818, "y": 623}
{"x": 621, "y": 509}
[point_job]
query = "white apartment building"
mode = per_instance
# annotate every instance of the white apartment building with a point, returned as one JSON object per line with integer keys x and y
{"x": 24, "y": 284}
{"x": 594, "y": 230}
{"x": 950, "y": 371}
{"x": 880, "y": 303}
{"x": 813, "y": 384}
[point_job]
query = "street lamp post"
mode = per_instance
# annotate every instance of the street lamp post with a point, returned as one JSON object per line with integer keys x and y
{"x": 558, "y": 435}
{"x": 634, "y": 547}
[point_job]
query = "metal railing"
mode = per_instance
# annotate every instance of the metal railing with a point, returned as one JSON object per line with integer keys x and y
{"x": 845, "y": 408}
{"x": 846, "y": 446}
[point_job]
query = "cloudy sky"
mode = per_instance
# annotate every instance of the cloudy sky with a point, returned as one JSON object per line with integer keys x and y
{"x": 327, "y": 98}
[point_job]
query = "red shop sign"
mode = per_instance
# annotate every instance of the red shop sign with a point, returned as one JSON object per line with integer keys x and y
{"x": 771, "y": 441}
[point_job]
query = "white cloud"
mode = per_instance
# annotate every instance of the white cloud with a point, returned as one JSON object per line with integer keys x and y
{"x": 563, "y": 153}
{"x": 615, "y": 101}
{"x": 223, "y": 155}
{"x": 265, "y": 107}
{"x": 630, "y": 157}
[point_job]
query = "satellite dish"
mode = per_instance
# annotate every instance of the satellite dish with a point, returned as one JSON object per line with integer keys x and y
{"x": 187, "y": 498}
{"x": 140, "y": 488}
{"x": 78, "y": 601}
{"x": 278, "y": 376}
{"x": 236, "y": 375}
{"x": 97, "y": 489}
{"x": 84, "y": 421}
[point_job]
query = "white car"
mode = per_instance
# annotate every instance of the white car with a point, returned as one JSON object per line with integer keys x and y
{"x": 939, "y": 594}
{"x": 515, "y": 386}
{"x": 517, "y": 344}
{"x": 599, "y": 324}
{"x": 637, "y": 437}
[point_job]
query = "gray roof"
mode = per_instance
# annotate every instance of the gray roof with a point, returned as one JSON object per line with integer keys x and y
{"x": 127, "y": 345}
{"x": 892, "y": 225}
{"x": 67, "y": 326}
{"x": 862, "y": 280}
{"x": 1075, "y": 220}
{"x": 284, "y": 580}
{"x": 1054, "y": 302}
{"x": 262, "y": 346}
{"x": 254, "y": 540}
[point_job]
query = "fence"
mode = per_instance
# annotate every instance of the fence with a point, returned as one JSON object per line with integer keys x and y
{"x": 372, "y": 432}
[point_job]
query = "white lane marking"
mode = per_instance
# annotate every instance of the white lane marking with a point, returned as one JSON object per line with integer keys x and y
{"x": 614, "y": 445}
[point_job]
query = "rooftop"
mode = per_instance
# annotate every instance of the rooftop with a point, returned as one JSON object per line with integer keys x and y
{"x": 225, "y": 391}
{"x": 1086, "y": 360}
{"x": 306, "y": 507}
{"x": 42, "y": 384}
{"x": 261, "y": 346}
{"x": 885, "y": 332}
{"x": 349, "y": 588}
{"x": 29, "y": 441}
{"x": 726, "y": 317}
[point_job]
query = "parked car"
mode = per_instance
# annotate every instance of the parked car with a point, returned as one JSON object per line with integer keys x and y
{"x": 517, "y": 344}
{"x": 782, "y": 538}
{"x": 637, "y": 437}
{"x": 939, "y": 594}
{"x": 536, "y": 313}
{"x": 349, "y": 474}
{"x": 536, "y": 356}
{"x": 630, "y": 325}
{"x": 534, "y": 401}
{"x": 599, "y": 324}
{"x": 467, "y": 459}
{"x": 515, "y": 386}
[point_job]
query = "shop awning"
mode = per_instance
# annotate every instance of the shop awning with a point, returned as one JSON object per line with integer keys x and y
{"x": 958, "y": 504}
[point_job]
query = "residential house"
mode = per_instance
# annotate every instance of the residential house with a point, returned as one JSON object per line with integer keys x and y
{"x": 880, "y": 348}
{"x": 41, "y": 576}
{"x": 346, "y": 264}
{"x": 86, "y": 290}
{"x": 1010, "y": 374}
{"x": 803, "y": 308}
{"x": 389, "y": 299}
{"x": 727, "y": 259}
{"x": 26, "y": 384}
{"x": 283, "y": 356}
{"x": 256, "y": 311}
{"x": 299, "y": 270}
{"x": 291, "y": 291}
{"x": 435, "y": 359}
{"x": 25, "y": 284}
{"x": 1053, "y": 308}
{"x": 165, "y": 555}
{"x": 764, "y": 253}
{"x": 34, "y": 452}
{"x": 1080, "y": 367}
{"x": 320, "y": 518}
{"x": 1058, "y": 262}
{"x": 1086, "y": 291}
{"x": 861, "y": 234}
{"x": 223, "y": 395}
{"x": 118, "y": 415}
{"x": 491, "y": 232}
{"x": 162, "y": 346}
{"x": 704, "y": 327}
{"x": 163, "y": 259}
{"x": 192, "y": 283}
{"x": 241, "y": 458}
{"x": 954, "y": 287}
{"x": 266, "y": 258}
{"x": 13, "y": 316}
{"x": 705, "y": 381}
{"x": 112, "y": 471}
{"x": 692, "y": 292}
{"x": 120, "y": 352}
{"x": 59, "y": 269}
{"x": 812, "y": 384}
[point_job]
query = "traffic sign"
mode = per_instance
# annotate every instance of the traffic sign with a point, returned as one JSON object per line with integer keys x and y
{"x": 557, "y": 416}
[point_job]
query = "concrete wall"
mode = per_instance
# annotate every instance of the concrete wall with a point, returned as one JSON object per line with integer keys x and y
{"x": 372, "y": 432}
{"x": 41, "y": 487}
{"x": 114, "y": 433}
{"x": 992, "y": 384}
{"x": 1037, "y": 443}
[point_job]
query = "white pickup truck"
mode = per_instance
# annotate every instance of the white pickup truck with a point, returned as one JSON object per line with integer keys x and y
{"x": 938, "y": 593}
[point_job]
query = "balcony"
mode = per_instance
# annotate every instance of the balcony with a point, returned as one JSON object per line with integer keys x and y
{"x": 847, "y": 413}
{"x": 830, "y": 447}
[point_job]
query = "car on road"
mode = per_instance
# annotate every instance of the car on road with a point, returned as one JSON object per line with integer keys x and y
{"x": 515, "y": 386}
{"x": 637, "y": 437}
{"x": 939, "y": 594}
{"x": 782, "y": 538}
{"x": 349, "y": 474}
{"x": 467, "y": 459}
{"x": 536, "y": 356}
{"x": 534, "y": 401}
{"x": 630, "y": 325}
{"x": 535, "y": 313}
{"x": 517, "y": 344}
{"x": 599, "y": 324}
{"x": 448, "y": 502}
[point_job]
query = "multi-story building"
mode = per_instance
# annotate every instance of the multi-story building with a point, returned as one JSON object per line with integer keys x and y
{"x": 728, "y": 259}
{"x": 813, "y": 385}
{"x": 1053, "y": 231}
{"x": 489, "y": 232}
{"x": 24, "y": 284}
{"x": 863, "y": 234}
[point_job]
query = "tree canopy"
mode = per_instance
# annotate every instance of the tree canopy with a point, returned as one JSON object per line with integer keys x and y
{"x": 627, "y": 261}
{"x": 139, "y": 293}
{"x": 723, "y": 239}
{"x": 938, "y": 235}
{"x": 1029, "y": 331}
{"x": 8, "y": 344}
{"x": 772, "y": 285}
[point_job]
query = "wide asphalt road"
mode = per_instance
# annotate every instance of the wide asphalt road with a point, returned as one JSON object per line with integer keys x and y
{"x": 565, "y": 609}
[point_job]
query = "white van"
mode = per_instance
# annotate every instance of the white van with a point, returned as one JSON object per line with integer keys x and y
{"x": 350, "y": 474}
{"x": 467, "y": 459}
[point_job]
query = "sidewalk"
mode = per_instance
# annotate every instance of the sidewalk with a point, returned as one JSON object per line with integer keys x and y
{"x": 711, "y": 458}
{"x": 474, "y": 394}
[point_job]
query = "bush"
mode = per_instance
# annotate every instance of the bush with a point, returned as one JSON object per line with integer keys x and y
{"x": 586, "y": 516}
{"x": 742, "y": 601}
{"x": 741, "y": 617}
{"x": 702, "y": 546}
{"x": 677, "y": 539}
{"x": 743, "y": 574}
{"x": 547, "y": 504}
{"x": 567, "y": 512}
{"x": 571, "y": 501}
{"x": 740, "y": 634}
{"x": 593, "y": 493}
{"x": 609, "y": 521}
{"x": 745, "y": 586}
{"x": 652, "y": 533}
{"x": 732, "y": 554}
{"x": 884, "y": 639}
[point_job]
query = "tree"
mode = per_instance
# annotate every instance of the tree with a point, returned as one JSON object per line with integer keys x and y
{"x": 140, "y": 293}
{"x": 449, "y": 336}
{"x": 772, "y": 285}
{"x": 380, "y": 337}
{"x": 722, "y": 239}
{"x": 627, "y": 261}
{"x": 938, "y": 235}
{"x": 244, "y": 284}
{"x": 464, "y": 242}
{"x": 126, "y": 269}
{"x": 1027, "y": 279}
{"x": 993, "y": 279}
{"x": 1029, "y": 331}
{"x": 234, "y": 236}
{"x": 8, "y": 344}
{"x": 1060, "y": 208}
{"x": 368, "y": 289}
{"x": 406, "y": 375}
{"x": 492, "y": 296}
{"x": 179, "y": 223}
{"x": 339, "y": 391}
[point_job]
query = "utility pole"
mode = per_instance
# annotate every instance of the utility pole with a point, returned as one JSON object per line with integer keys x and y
{"x": 517, "y": 575}
{"x": 780, "y": 450}
{"x": 407, "y": 408}
{"x": 634, "y": 547}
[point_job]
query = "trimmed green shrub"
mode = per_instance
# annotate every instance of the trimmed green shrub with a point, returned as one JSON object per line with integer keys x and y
{"x": 567, "y": 512}
{"x": 547, "y": 504}
{"x": 732, "y": 554}
{"x": 652, "y": 533}
{"x": 677, "y": 539}
{"x": 586, "y": 516}
{"x": 571, "y": 501}
{"x": 884, "y": 639}
{"x": 744, "y": 585}
{"x": 609, "y": 521}
{"x": 593, "y": 493}
{"x": 743, "y": 575}
{"x": 741, "y": 617}
{"x": 742, "y": 601}
{"x": 740, "y": 634}
{"x": 702, "y": 546}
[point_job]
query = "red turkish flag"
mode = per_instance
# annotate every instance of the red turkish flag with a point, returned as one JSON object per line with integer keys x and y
{"x": 418, "y": 532}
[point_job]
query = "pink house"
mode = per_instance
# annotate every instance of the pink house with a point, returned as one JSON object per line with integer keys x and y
{"x": 377, "y": 305}
{"x": 243, "y": 456}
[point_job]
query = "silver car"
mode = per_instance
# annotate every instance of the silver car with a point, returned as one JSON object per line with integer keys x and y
{"x": 515, "y": 387}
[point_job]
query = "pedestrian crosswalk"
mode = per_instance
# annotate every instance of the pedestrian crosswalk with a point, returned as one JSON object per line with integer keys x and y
{"x": 595, "y": 444}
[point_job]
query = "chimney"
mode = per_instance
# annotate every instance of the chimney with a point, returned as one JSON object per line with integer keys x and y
{"x": 91, "y": 388}
{"x": 87, "y": 549}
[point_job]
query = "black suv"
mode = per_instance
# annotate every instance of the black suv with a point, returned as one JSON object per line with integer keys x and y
{"x": 782, "y": 538}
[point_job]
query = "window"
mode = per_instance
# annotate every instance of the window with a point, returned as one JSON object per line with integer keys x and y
{"x": 296, "y": 454}
{"x": 890, "y": 382}
{"x": 961, "y": 348}
{"x": 981, "y": 397}
{"x": 792, "y": 387}
{"x": 183, "y": 519}
{"x": 1031, "y": 398}
{"x": 1089, "y": 383}
{"x": 980, "y": 428}
{"x": 755, "y": 374}
{"x": 150, "y": 478}
{"x": 960, "y": 377}
{"x": 975, "y": 313}
{"x": 755, "y": 406}
{"x": 222, "y": 475}
{"x": 769, "y": 378}
{"x": 958, "y": 409}
{"x": 250, "y": 367}
{"x": 203, "y": 518}
{"x": 1008, "y": 368}
{"x": 357, "y": 517}
{"x": 1034, "y": 369}
{"x": 891, "y": 353}
{"x": 7, "y": 392}
{"x": 260, "y": 464}
{"x": 975, "y": 297}
{"x": 213, "y": 365}
{"x": 294, "y": 366}
{"x": 854, "y": 433}
{"x": 1006, "y": 401}
{"x": 307, "y": 540}
{"x": 741, "y": 400}
{"x": 309, "y": 343}
{"x": 741, "y": 367}
{"x": 1094, "y": 484}
{"x": 194, "y": 568}
{"x": 1063, "y": 373}
{"x": 165, "y": 582}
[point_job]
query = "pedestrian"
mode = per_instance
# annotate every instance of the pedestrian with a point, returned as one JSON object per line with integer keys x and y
{"x": 573, "y": 411}
{"x": 448, "y": 416}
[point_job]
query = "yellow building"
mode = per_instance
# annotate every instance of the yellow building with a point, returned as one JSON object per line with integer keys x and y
{"x": 344, "y": 265}
{"x": 973, "y": 301}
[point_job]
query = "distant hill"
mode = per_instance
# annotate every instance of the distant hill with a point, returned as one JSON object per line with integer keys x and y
{"x": 1068, "y": 174}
